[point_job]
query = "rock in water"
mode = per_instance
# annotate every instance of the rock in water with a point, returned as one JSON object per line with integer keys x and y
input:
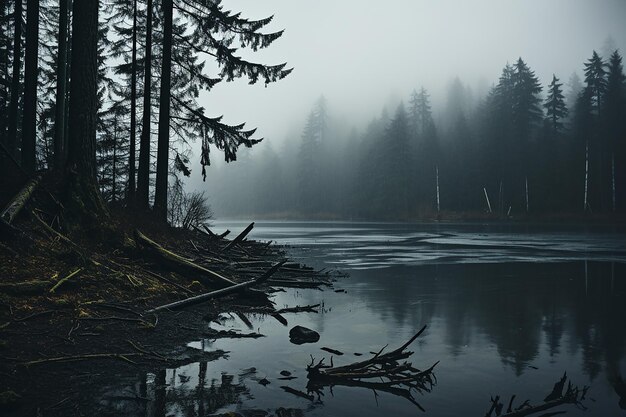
{"x": 299, "y": 335}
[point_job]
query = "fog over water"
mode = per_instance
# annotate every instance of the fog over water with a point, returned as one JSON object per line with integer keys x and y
{"x": 364, "y": 57}
{"x": 361, "y": 54}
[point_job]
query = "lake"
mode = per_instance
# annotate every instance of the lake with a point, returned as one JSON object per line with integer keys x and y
{"x": 509, "y": 309}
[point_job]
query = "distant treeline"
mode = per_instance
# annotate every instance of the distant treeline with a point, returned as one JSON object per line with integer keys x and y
{"x": 524, "y": 148}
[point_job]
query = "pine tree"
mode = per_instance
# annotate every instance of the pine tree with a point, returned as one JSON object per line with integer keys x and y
{"x": 526, "y": 101}
{"x": 614, "y": 109}
{"x": 60, "y": 116}
{"x": 397, "y": 163}
{"x": 83, "y": 196}
{"x": 595, "y": 78}
{"x": 214, "y": 32}
{"x": 574, "y": 88}
{"x": 555, "y": 105}
{"x": 143, "y": 172}
{"x": 310, "y": 156}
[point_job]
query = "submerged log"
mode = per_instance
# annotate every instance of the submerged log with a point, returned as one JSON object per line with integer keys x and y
{"x": 209, "y": 277}
{"x": 218, "y": 293}
{"x": 19, "y": 200}
{"x": 239, "y": 237}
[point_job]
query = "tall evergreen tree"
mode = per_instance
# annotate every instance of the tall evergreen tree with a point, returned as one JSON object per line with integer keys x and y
{"x": 614, "y": 111}
{"x": 83, "y": 195}
{"x": 214, "y": 31}
{"x": 60, "y": 133}
{"x": 595, "y": 78}
{"x": 556, "y": 110}
{"x": 143, "y": 172}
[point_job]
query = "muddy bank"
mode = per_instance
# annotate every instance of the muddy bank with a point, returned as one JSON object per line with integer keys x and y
{"x": 74, "y": 309}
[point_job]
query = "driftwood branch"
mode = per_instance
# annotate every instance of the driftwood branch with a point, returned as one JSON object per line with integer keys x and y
{"x": 382, "y": 372}
{"x": 572, "y": 395}
{"x": 218, "y": 293}
{"x": 239, "y": 237}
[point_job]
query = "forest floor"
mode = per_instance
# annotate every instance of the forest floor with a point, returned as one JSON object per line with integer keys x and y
{"x": 74, "y": 306}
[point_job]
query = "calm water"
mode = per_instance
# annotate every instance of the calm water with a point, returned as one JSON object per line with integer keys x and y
{"x": 508, "y": 309}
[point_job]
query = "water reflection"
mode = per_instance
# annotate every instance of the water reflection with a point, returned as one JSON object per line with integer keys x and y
{"x": 497, "y": 327}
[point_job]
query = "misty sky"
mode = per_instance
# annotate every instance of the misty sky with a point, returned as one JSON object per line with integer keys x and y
{"x": 363, "y": 54}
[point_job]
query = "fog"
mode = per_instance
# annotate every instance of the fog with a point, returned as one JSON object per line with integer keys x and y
{"x": 363, "y": 56}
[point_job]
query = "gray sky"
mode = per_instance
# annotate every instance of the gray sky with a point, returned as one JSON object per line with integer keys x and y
{"x": 359, "y": 53}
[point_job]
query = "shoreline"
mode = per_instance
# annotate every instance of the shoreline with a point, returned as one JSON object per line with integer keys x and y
{"x": 95, "y": 324}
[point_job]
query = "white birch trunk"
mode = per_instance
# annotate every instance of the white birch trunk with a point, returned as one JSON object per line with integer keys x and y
{"x": 487, "y": 198}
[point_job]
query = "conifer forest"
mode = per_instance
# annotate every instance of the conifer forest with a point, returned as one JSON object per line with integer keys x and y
{"x": 306, "y": 209}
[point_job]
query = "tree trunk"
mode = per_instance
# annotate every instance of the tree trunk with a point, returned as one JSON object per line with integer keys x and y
{"x": 15, "y": 82}
{"x": 160, "y": 198}
{"x": 61, "y": 72}
{"x": 114, "y": 166}
{"x": 31, "y": 70}
{"x": 84, "y": 198}
{"x": 130, "y": 192}
{"x": 143, "y": 176}
{"x": 4, "y": 99}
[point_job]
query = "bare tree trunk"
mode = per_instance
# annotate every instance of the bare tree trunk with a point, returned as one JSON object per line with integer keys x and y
{"x": 4, "y": 100}
{"x": 143, "y": 176}
{"x": 437, "y": 172}
{"x": 613, "y": 182}
{"x": 586, "y": 204}
{"x": 31, "y": 70}
{"x": 15, "y": 82}
{"x": 130, "y": 192}
{"x": 59, "y": 117}
{"x": 487, "y": 198}
{"x": 160, "y": 198}
{"x": 114, "y": 166}
{"x": 526, "y": 182}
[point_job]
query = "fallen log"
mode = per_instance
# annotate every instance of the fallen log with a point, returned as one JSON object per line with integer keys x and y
{"x": 209, "y": 277}
{"x": 19, "y": 200}
{"x": 218, "y": 293}
{"x": 226, "y": 233}
{"x": 239, "y": 237}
